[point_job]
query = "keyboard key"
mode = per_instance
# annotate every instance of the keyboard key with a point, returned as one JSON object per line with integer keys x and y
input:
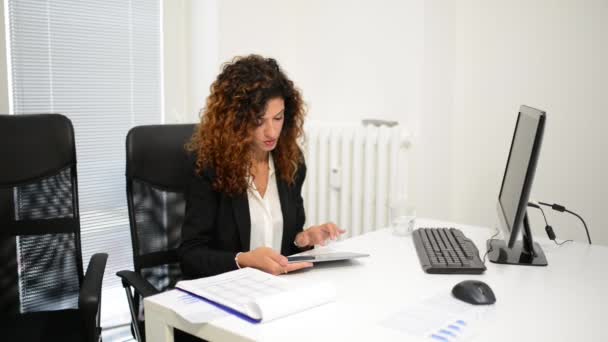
{"x": 447, "y": 251}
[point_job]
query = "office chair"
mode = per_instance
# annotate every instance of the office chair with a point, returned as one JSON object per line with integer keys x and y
{"x": 158, "y": 170}
{"x": 43, "y": 292}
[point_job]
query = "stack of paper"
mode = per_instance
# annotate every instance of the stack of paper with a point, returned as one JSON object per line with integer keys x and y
{"x": 257, "y": 295}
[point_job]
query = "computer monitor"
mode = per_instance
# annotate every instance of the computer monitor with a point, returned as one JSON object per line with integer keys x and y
{"x": 515, "y": 191}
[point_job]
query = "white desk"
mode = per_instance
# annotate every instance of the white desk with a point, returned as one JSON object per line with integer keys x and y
{"x": 562, "y": 302}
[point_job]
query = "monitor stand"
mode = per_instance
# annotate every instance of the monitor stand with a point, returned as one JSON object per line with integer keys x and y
{"x": 525, "y": 252}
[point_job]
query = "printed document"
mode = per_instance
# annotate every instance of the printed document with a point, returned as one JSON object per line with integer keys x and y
{"x": 258, "y": 295}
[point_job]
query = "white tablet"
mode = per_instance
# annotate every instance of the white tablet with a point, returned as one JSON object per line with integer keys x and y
{"x": 327, "y": 256}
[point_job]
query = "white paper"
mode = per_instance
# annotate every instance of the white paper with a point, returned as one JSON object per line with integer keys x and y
{"x": 257, "y": 294}
{"x": 296, "y": 300}
{"x": 439, "y": 318}
{"x": 189, "y": 307}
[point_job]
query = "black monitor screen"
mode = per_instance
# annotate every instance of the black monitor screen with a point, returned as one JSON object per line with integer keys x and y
{"x": 515, "y": 192}
{"x": 517, "y": 166}
{"x": 517, "y": 180}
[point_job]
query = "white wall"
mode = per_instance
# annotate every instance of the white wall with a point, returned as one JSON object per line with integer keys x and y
{"x": 454, "y": 73}
{"x": 190, "y": 39}
{"x": 322, "y": 56}
{"x": 4, "y": 99}
{"x": 549, "y": 54}
{"x": 177, "y": 56}
{"x": 431, "y": 180}
{"x": 352, "y": 60}
{"x": 204, "y": 16}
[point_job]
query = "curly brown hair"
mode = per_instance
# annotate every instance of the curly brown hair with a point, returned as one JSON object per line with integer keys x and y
{"x": 238, "y": 97}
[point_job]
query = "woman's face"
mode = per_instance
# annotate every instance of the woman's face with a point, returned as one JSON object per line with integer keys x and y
{"x": 269, "y": 125}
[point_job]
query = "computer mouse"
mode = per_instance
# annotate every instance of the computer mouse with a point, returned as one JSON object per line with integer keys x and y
{"x": 474, "y": 292}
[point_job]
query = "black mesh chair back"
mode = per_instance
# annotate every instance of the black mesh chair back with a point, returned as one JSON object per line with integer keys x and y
{"x": 158, "y": 169}
{"x": 39, "y": 217}
{"x": 41, "y": 269}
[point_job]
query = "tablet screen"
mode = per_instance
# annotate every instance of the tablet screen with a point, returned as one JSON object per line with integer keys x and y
{"x": 332, "y": 256}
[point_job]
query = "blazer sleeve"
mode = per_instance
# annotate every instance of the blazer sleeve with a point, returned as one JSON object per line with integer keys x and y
{"x": 197, "y": 256}
{"x": 300, "y": 214}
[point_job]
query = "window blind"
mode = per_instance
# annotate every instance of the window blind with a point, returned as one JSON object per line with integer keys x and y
{"x": 99, "y": 63}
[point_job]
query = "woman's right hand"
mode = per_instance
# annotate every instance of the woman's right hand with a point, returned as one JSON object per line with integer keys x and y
{"x": 268, "y": 260}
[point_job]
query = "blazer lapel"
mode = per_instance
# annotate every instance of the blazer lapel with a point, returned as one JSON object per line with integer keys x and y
{"x": 241, "y": 215}
{"x": 284, "y": 199}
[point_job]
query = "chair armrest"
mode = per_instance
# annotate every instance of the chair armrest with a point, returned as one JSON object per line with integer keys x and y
{"x": 89, "y": 299}
{"x": 142, "y": 288}
{"x": 137, "y": 282}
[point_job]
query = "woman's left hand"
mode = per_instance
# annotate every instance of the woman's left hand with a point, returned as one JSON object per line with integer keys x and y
{"x": 318, "y": 235}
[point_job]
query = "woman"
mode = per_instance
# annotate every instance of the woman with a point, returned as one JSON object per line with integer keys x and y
{"x": 244, "y": 206}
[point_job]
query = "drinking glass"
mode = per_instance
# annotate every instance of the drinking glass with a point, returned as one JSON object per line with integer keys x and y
{"x": 403, "y": 216}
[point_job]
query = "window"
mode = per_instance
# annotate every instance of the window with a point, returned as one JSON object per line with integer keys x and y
{"x": 99, "y": 63}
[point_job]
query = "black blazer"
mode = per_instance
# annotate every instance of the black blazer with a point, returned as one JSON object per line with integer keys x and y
{"x": 217, "y": 226}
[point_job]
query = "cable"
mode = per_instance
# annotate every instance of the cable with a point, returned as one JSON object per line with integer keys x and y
{"x": 563, "y": 242}
{"x": 561, "y": 208}
{"x": 489, "y": 250}
{"x": 548, "y": 228}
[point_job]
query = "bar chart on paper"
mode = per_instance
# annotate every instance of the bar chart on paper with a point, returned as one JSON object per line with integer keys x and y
{"x": 439, "y": 318}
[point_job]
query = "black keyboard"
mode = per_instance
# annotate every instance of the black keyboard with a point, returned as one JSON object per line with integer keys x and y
{"x": 446, "y": 251}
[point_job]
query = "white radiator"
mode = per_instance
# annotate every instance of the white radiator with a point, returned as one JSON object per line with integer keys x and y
{"x": 353, "y": 171}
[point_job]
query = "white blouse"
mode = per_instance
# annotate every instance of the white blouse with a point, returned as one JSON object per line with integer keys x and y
{"x": 265, "y": 213}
